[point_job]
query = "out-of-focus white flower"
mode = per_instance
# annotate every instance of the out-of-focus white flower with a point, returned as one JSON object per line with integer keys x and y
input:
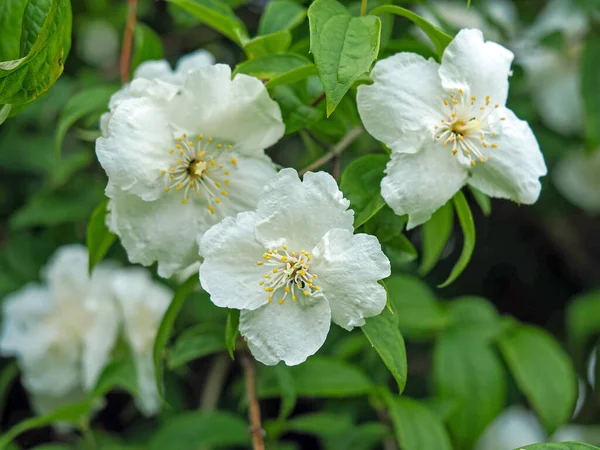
{"x": 448, "y": 126}
{"x": 181, "y": 158}
{"x": 293, "y": 266}
{"x": 98, "y": 43}
{"x": 577, "y": 177}
{"x": 62, "y": 332}
{"x": 143, "y": 303}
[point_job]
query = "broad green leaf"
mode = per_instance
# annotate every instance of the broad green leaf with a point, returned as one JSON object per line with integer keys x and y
{"x": 120, "y": 373}
{"x": 383, "y": 333}
{"x": 468, "y": 227}
{"x": 296, "y": 115}
{"x": 268, "y": 44}
{"x": 99, "y": 237}
{"x": 590, "y": 89}
{"x": 559, "y": 446}
{"x": 583, "y": 323}
{"x": 416, "y": 427}
{"x": 399, "y": 249}
{"x": 166, "y": 327}
{"x": 232, "y": 330}
{"x": 436, "y": 233}
{"x": 542, "y": 371}
{"x": 190, "y": 430}
{"x": 11, "y": 16}
{"x": 293, "y": 75}
{"x": 416, "y": 307}
{"x": 33, "y": 20}
{"x": 322, "y": 424}
{"x": 344, "y": 47}
{"x": 476, "y": 315}
{"x": 218, "y": 15}
{"x": 438, "y": 37}
{"x": 146, "y": 45}
{"x": 271, "y": 66}
{"x": 361, "y": 185}
{"x": 365, "y": 436}
{"x": 281, "y": 15}
{"x": 288, "y": 390}
{"x": 87, "y": 102}
{"x": 194, "y": 343}
{"x": 24, "y": 79}
{"x": 480, "y": 393}
{"x": 484, "y": 202}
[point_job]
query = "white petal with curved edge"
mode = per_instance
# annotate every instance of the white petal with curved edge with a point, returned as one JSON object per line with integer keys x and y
{"x": 404, "y": 101}
{"x": 577, "y": 177}
{"x": 418, "y": 184}
{"x": 348, "y": 268}
{"x": 300, "y": 213}
{"x": 514, "y": 168}
{"x": 514, "y": 428}
{"x": 288, "y": 332}
{"x": 479, "y": 68}
{"x": 67, "y": 274}
{"x": 230, "y": 273}
{"x": 150, "y": 70}
{"x": 194, "y": 60}
{"x": 137, "y": 147}
{"x": 558, "y": 15}
{"x": 148, "y": 398}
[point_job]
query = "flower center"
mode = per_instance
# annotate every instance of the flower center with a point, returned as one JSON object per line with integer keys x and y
{"x": 288, "y": 271}
{"x": 467, "y": 127}
{"x": 201, "y": 167}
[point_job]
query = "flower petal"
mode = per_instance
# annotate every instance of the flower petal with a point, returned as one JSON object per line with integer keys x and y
{"x": 152, "y": 69}
{"x": 289, "y": 332}
{"x": 514, "y": 428}
{"x": 479, "y": 68}
{"x": 418, "y": 184}
{"x": 514, "y": 168}
{"x": 348, "y": 268}
{"x": 194, "y": 60}
{"x": 67, "y": 274}
{"x": 148, "y": 399}
{"x": 405, "y": 99}
{"x": 577, "y": 177}
{"x": 301, "y": 212}
{"x": 230, "y": 273}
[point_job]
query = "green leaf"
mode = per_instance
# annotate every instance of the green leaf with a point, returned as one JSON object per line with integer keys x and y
{"x": 400, "y": 250}
{"x": 590, "y": 89}
{"x": 436, "y": 233}
{"x": 296, "y": 115}
{"x": 468, "y": 227}
{"x": 11, "y": 16}
{"x": 232, "y": 330}
{"x": 476, "y": 315}
{"x": 194, "y": 343}
{"x": 218, "y": 15}
{"x": 146, "y": 45}
{"x": 469, "y": 372}
{"x": 120, "y": 373}
{"x": 268, "y": 44}
{"x": 4, "y": 112}
{"x": 281, "y": 15}
{"x": 288, "y": 390}
{"x": 344, "y": 47}
{"x": 542, "y": 371}
{"x": 189, "y": 430}
{"x": 560, "y": 446}
{"x": 484, "y": 202}
{"x": 7, "y": 377}
{"x": 415, "y": 426}
{"x": 166, "y": 327}
{"x": 292, "y": 76}
{"x": 85, "y": 103}
{"x": 23, "y": 80}
{"x": 438, "y": 37}
{"x": 99, "y": 237}
{"x": 271, "y": 66}
{"x": 583, "y": 323}
{"x": 320, "y": 424}
{"x": 383, "y": 333}
{"x": 360, "y": 184}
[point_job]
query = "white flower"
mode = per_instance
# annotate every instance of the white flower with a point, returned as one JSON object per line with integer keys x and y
{"x": 62, "y": 332}
{"x": 292, "y": 266}
{"x": 448, "y": 126}
{"x": 577, "y": 178}
{"x": 143, "y": 303}
{"x": 181, "y": 158}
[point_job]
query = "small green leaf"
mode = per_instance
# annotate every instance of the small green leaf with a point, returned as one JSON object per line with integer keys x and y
{"x": 436, "y": 233}
{"x": 360, "y": 184}
{"x": 559, "y": 446}
{"x": 583, "y": 323}
{"x": 323, "y": 424}
{"x": 218, "y": 15}
{"x": 344, "y": 47}
{"x": 542, "y": 371}
{"x": 484, "y": 202}
{"x": 4, "y": 112}
{"x": 99, "y": 237}
{"x": 195, "y": 343}
{"x": 118, "y": 374}
{"x": 288, "y": 390}
{"x": 438, "y": 37}
{"x": 268, "y": 44}
{"x": 271, "y": 66}
{"x": 399, "y": 249}
{"x": 590, "y": 89}
{"x": 477, "y": 315}
{"x": 166, "y": 327}
{"x": 146, "y": 45}
{"x": 292, "y": 76}
{"x": 468, "y": 227}
{"x": 232, "y": 330}
{"x": 281, "y": 15}
{"x": 296, "y": 115}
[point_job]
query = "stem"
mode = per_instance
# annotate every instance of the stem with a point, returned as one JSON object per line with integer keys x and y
{"x": 344, "y": 143}
{"x": 253, "y": 407}
{"x": 214, "y": 382}
{"x": 318, "y": 100}
{"x": 127, "y": 39}
{"x": 363, "y": 8}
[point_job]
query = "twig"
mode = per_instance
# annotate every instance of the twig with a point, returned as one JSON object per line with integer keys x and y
{"x": 214, "y": 382}
{"x": 127, "y": 39}
{"x": 253, "y": 407}
{"x": 344, "y": 143}
{"x": 318, "y": 100}
{"x": 363, "y": 8}
{"x": 336, "y": 167}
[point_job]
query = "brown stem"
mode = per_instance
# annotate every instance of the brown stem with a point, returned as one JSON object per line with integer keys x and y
{"x": 256, "y": 430}
{"x": 318, "y": 100}
{"x": 344, "y": 143}
{"x": 127, "y": 40}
